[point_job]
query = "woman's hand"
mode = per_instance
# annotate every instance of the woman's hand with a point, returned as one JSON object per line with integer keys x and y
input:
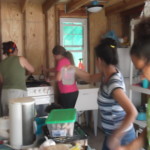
{"x": 113, "y": 142}
{"x": 50, "y": 78}
{"x": 44, "y": 69}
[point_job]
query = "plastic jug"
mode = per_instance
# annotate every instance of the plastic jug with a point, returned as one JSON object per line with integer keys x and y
{"x": 68, "y": 76}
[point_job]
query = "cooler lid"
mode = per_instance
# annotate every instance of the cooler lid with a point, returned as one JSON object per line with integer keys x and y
{"x": 61, "y": 116}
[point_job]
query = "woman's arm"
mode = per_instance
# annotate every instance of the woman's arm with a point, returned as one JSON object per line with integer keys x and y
{"x": 25, "y": 64}
{"x": 47, "y": 70}
{"x": 131, "y": 113}
{"x": 87, "y": 76}
{"x": 128, "y": 107}
{"x": 137, "y": 144}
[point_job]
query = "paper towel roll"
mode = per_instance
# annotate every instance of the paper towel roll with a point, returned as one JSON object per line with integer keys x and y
{"x": 15, "y": 111}
{"x": 4, "y": 123}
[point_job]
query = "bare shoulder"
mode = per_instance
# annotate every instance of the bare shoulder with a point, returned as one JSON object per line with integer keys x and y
{"x": 25, "y": 64}
{"x": 22, "y": 58}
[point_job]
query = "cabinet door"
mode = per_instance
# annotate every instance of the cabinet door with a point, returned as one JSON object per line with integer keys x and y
{"x": 87, "y": 99}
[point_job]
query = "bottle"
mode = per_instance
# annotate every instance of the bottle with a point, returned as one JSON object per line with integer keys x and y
{"x": 80, "y": 65}
{"x": 68, "y": 76}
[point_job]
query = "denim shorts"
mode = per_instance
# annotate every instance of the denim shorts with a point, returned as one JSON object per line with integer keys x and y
{"x": 128, "y": 137}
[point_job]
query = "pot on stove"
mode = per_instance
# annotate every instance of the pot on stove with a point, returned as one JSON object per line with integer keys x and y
{"x": 30, "y": 78}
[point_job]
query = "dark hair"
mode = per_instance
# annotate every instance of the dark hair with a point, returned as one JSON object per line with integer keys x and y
{"x": 141, "y": 45}
{"x": 60, "y": 50}
{"x": 107, "y": 51}
{"x": 8, "y": 47}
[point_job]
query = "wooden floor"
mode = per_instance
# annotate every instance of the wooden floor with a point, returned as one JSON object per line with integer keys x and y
{"x": 95, "y": 142}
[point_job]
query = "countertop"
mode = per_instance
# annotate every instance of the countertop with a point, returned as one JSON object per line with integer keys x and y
{"x": 86, "y": 86}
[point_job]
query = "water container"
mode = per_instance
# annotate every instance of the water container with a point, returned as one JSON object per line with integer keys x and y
{"x": 145, "y": 83}
{"x": 68, "y": 76}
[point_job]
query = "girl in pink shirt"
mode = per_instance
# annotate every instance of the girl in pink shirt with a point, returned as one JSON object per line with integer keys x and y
{"x": 68, "y": 93}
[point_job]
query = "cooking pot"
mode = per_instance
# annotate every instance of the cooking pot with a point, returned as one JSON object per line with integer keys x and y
{"x": 30, "y": 78}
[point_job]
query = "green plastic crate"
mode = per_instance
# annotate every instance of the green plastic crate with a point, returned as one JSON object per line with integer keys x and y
{"x": 60, "y": 122}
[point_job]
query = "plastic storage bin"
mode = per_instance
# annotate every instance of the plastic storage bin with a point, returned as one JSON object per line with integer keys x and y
{"x": 60, "y": 122}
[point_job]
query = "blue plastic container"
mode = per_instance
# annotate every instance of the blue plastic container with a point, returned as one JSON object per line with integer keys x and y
{"x": 145, "y": 83}
{"x": 39, "y": 122}
{"x": 141, "y": 116}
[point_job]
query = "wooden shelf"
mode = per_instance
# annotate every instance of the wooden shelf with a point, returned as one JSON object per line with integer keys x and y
{"x": 140, "y": 123}
{"x": 139, "y": 89}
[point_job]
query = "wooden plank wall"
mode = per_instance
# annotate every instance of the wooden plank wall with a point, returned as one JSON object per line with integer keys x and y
{"x": 12, "y": 23}
{"x": 34, "y": 37}
{"x": 51, "y": 33}
{"x": 97, "y": 28}
{"x": 115, "y": 24}
{"x": 36, "y": 33}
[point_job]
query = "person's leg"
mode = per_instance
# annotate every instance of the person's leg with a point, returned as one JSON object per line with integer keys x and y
{"x": 4, "y": 102}
{"x": 104, "y": 147}
{"x": 16, "y": 93}
{"x": 128, "y": 137}
{"x": 69, "y": 100}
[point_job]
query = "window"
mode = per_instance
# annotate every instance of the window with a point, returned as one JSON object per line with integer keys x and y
{"x": 73, "y": 36}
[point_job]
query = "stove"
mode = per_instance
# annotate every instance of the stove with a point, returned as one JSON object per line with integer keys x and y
{"x": 40, "y": 91}
{"x": 43, "y": 93}
{"x": 37, "y": 83}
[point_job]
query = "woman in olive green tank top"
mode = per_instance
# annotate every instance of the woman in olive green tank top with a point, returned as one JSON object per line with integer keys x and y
{"x": 140, "y": 55}
{"x": 12, "y": 75}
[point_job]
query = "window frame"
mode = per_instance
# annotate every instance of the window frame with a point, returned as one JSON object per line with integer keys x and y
{"x": 85, "y": 46}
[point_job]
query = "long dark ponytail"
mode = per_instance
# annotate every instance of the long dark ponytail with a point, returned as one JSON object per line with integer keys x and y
{"x": 107, "y": 51}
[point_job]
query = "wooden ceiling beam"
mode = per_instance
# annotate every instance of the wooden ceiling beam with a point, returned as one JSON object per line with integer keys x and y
{"x": 75, "y": 4}
{"x": 48, "y": 4}
{"x": 111, "y": 2}
{"x": 123, "y": 5}
{"x": 24, "y": 5}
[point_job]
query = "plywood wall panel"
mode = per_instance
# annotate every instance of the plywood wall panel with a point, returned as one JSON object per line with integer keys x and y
{"x": 34, "y": 12}
{"x": 35, "y": 36}
{"x": 51, "y": 33}
{"x": 12, "y": 23}
{"x": 97, "y": 28}
{"x": 115, "y": 24}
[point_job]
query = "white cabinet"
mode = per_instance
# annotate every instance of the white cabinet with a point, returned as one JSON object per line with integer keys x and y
{"x": 87, "y": 100}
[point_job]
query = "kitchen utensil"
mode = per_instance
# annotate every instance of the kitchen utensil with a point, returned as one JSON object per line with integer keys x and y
{"x": 30, "y": 78}
{"x": 42, "y": 76}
